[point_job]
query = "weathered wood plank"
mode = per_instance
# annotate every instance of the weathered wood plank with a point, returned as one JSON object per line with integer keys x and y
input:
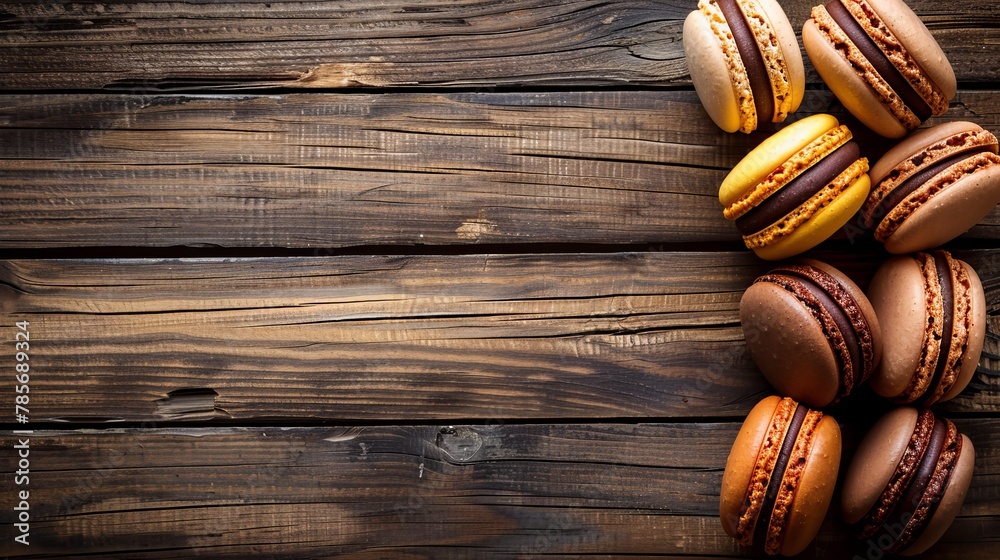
{"x": 403, "y": 338}
{"x": 319, "y": 170}
{"x": 499, "y": 490}
{"x": 150, "y": 45}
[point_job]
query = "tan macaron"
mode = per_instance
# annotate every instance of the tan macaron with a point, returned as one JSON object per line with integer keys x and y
{"x": 932, "y": 310}
{"x": 933, "y": 186}
{"x": 906, "y": 482}
{"x": 881, "y": 62}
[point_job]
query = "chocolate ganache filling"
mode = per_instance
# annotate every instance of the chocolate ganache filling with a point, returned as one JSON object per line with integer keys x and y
{"x": 878, "y": 60}
{"x": 903, "y": 525}
{"x": 948, "y": 305}
{"x": 746, "y": 43}
{"x": 774, "y": 483}
{"x": 798, "y": 190}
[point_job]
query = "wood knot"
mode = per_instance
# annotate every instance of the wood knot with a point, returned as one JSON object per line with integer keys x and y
{"x": 459, "y": 443}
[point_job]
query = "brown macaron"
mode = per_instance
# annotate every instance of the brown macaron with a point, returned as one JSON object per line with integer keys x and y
{"x": 780, "y": 476}
{"x": 933, "y": 186}
{"x": 811, "y": 331}
{"x": 932, "y": 310}
{"x": 907, "y": 481}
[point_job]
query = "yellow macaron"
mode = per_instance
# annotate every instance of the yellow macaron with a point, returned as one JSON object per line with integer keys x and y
{"x": 797, "y": 188}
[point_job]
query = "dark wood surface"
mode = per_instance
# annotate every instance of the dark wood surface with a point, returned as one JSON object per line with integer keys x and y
{"x": 324, "y": 169}
{"x": 399, "y": 280}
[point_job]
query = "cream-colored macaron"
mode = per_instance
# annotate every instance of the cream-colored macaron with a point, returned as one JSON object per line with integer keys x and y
{"x": 744, "y": 61}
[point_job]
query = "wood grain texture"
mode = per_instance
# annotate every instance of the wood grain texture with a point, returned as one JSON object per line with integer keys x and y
{"x": 194, "y": 45}
{"x": 640, "y": 335}
{"x": 320, "y": 170}
{"x": 418, "y": 492}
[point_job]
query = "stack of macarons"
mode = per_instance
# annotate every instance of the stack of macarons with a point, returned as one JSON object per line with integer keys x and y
{"x": 915, "y": 335}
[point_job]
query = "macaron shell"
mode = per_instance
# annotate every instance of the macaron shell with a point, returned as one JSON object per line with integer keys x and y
{"x": 821, "y": 225}
{"x": 852, "y": 91}
{"x": 710, "y": 73}
{"x": 789, "y": 45}
{"x": 771, "y": 153}
{"x": 788, "y": 345}
{"x": 949, "y": 213}
{"x": 874, "y": 462}
{"x": 896, "y": 294}
{"x": 916, "y": 143}
{"x": 951, "y": 502}
{"x": 815, "y": 489}
{"x": 977, "y": 335}
{"x": 741, "y": 461}
{"x": 918, "y": 42}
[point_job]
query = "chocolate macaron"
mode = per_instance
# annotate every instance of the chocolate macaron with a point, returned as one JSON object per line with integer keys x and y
{"x": 744, "y": 62}
{"x": 932, "y": 310}
{"x": 796, "y": 188}
{"x": 906, "y": 482}
{"x": 811, "y": 331}
{"x": 881, "y": 62}
{"x": 780, "y": 476}
{"x": 933, "y": 186}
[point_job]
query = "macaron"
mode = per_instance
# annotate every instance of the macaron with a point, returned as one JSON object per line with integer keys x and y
{"x": 796, "y": 188}
{"x": 744, "y": 61}
{"x": 932, "y": 310}
{"x": 906, "y": 482}
{"x": 780, "y": 476}
{"x": 933, "y": 186}
{"x": 811, "y": 331}
{"x": 881, "y": 62}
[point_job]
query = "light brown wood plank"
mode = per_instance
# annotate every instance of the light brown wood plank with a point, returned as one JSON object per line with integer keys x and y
{"x": 648, "y": 489}
{"x": 320, "y": 170}
{"x": 149, "y": 45}
{"x": 401, "y": 338}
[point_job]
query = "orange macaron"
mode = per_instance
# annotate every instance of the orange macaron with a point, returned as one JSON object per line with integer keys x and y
{"x": 780, "y": 476}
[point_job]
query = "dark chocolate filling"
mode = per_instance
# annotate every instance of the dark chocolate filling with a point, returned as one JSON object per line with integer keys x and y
{"x": 875, "y": 518}
{"x": 907, "y": 505}
{"x": 746, "y": 43}
{"x": 877, "y": 58}
{"x": 842, "y": 321}
{"x": 778, "y": 473}
{"x": 904, "y": 190}
{"x": 948, "y": 303}
{"x": 798, "y": 190}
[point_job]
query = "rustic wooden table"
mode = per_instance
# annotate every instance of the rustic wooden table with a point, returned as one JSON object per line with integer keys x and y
{"x": 396, "y": 279}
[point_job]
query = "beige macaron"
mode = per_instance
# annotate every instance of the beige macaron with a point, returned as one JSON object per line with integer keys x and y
{"x": 744, "y": 61}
